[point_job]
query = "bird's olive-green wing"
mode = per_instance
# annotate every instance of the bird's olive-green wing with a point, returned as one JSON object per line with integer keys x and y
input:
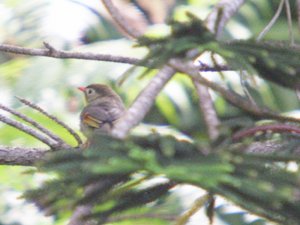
{"x": 97, "y": 115}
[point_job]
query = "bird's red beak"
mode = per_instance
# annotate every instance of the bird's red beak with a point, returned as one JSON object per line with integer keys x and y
{"x": 82, "y": 88}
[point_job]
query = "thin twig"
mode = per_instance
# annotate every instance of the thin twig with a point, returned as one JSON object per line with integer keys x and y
{"x": 90, "y": 8}
{"x": 232, "y": 97}
{"x": 120, "y": 218}
{"x": 35, "y": 124}
{"x": 298, "y": 12}
{"x": 272, "y": 21}
{"x": 119, "y": 19}
{"x": 30, "y": 131}
{"x": 274, "y": 128}
{"x": 244, "y": 84}
{"x": 56, "y": 120}
{"x": 143, "y": 102}
{"x": 290, "y": 21}
{"x": 67, "y": 54}
{"x": 221, "y": 13}
{"x": 80, "y": 212}
{"x": 210, "y": 116}
{"x": 199, "y": 203}
{"x": 60, "y": 54}
{"x": 216, "y": 68}
{"x": 21, "y": 156}
{"x": 215, "y": 21}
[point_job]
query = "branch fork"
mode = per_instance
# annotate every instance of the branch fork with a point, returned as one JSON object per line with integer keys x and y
{"x": 28, "y": 156}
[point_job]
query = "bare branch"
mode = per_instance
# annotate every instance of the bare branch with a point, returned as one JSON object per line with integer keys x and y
{"x": 197, "y": 205}
{"x": 143, "y": 102}
{"x": 290, "y": 21}
{"x": 272, "y": 21}
{"x": 30, "y": 131}
{"x": 56, "y": 120}
{"x": 119, "y": 19}
{"x": 21, "y": 156}
{"x": 209, "y": 113}
{"x": 117, "y": 218}
{"x": 216, "y": 21}
{"x": 90, "y": 8}
{"x": 80, "y": 212}
{"x": 221, "y": 13}
{"x": 60, "y": 54}
{"x": 53, "y": 53}
{"x": 35, "y": 124}
{"x": 84, "y": 210}
{"x": 230, "y": 96}
{"x": 298, "y": 12}
{"x": 267, "y": 147}
{"x": 216, "y": 68}
{"x": 275, "y": 128}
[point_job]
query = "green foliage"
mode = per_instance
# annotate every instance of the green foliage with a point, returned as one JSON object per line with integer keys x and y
{"x": 184, "y": 36}
{"x": 113, "y": 175}
{"x": 273, "y": 61}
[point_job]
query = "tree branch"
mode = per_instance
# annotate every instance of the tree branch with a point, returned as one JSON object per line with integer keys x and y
{"x": 35, "y": 124}
{"x": 143, "y": 102}
{"x": 232, "y": 97}
{"x": 298, "y": 12}
{"x": 30, "y": 131}
{"x": 206, "y": 105}
{"x": 21, "y": 156}
{"x": 28, "y": 156}
{"x": 60, "y": 54}
{"x": 221, "y": 13}
{"x": 216, "y": 21}
{"x": 275, "y": 128}
{"x": 197, "y": 205}
{"x": 267, "y": 147}
{"x": 120, "y": 218}
{"x": 120, "y": 20}
{"x": 272, "y": 21}
{"x": 53, "y": 118}
{"x": 54, "y": 53}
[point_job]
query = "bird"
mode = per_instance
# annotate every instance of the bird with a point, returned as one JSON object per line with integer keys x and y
{"x": 104, "y": 107}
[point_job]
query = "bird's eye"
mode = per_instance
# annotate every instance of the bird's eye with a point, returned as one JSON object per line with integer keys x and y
{"x": 89, "y": 91}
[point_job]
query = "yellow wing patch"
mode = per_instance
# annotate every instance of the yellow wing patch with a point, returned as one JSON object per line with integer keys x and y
{"x": 91, "y": 121}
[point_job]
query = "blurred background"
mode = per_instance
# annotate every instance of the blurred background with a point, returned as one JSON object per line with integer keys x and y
{"x": 86, "y": 26}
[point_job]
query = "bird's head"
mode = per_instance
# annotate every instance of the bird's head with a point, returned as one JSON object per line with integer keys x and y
{"x": 97, "y": 92}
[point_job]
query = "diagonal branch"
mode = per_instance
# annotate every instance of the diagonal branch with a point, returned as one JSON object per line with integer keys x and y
{"x": 272, "y": 21}
{"x": 298, "y": 12}
{"x": 143, "y": 102}
{"x": 119, "y": 19}
{"x": 232, "y": 97}
{"x": 290, "y": 22}
{"x": 216, "y": 21}
{"x": 206, "y": 105}
{"x": 197, "y": 204}
{"x": 35, "y": 124}
{"x": 30, "y": 131}
{"x": 221, "y": 13}
{"x": 56, "y": 120}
